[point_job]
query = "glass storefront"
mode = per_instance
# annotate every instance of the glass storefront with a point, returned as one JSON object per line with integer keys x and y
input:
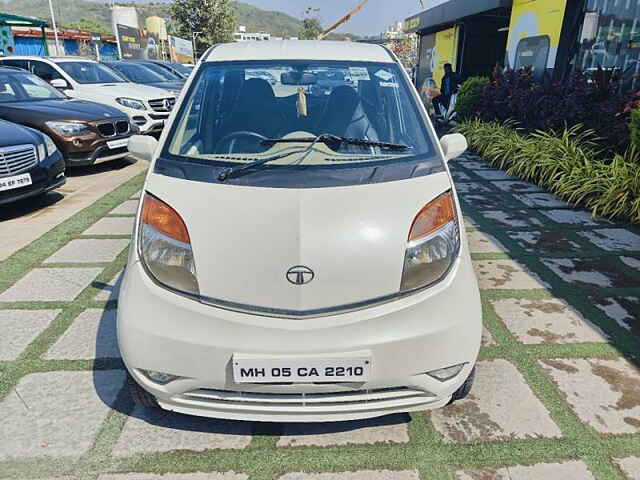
{"x": 610, "y": 38}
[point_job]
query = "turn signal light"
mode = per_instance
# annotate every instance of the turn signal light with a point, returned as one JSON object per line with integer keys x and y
{"x": 164, "y": 219}
{"x": 434, "y": 215}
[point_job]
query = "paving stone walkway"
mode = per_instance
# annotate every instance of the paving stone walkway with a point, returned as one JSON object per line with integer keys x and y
{"x": 557, "y": 393}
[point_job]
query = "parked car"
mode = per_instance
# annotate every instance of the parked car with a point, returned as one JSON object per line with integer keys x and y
{"x": 299, "y": 257}
{"x": 30, "y": 163}
{"x": 85, "y": 132}
{"x": 176, "y": 69}
{"x": 148, "y": 107}
{"x": 139, "y": 73}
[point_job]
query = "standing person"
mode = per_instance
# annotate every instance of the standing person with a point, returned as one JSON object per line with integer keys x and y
{"x": 450, "y": 85}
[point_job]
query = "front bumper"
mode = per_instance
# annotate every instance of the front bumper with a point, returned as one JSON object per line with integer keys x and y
{"x": 99, "y": 155}
{"x": 46, "y": 176}
{"x": 433, "y": 329}
{"x": 148, "y": 121}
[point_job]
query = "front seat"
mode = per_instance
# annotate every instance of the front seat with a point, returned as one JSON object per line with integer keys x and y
{"x": 255, "y": 110}
{"x": 344, "y": 116}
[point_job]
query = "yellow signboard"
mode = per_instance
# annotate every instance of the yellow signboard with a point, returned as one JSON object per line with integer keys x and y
{"x": 534, "y": 33}
{"x": 445, "y": 51}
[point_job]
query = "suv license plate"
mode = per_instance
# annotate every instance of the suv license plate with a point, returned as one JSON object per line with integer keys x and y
{"x": 252, "y": 369}
{"x": 113, "y": 144}
{"x": 16, "y": 181}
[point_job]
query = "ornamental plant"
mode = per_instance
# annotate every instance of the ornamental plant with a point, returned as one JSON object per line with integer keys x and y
{"x": 569, "y": 163}
{"x": 593, "y": 101}
{"x": 470, "y": 97}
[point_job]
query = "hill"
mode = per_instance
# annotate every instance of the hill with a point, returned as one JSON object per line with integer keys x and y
{"x": 68, "y": 11}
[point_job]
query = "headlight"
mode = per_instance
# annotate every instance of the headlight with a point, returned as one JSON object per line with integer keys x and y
{"x": 68, "y": 129}
{"x": 131, "y": 103}
{"x": 42, "y": 151}
{"x": 165, "y": 246}
{"x": 434, "y": 243}
{"x": 47, "y": 148}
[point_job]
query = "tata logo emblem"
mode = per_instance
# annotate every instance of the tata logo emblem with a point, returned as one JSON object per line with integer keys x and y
{"x": 300, "y": 275}
{"x": 167, "y": 104}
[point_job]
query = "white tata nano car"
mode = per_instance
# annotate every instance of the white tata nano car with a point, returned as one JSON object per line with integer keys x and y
{"x": 299, "y": 249}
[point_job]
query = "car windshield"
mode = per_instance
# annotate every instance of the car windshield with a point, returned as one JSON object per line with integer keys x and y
{"x": 136, "y": 73}
{"x": 18, "y": 86}
{"x": 186, "y": 71}
{"x": 240, "y": 112}
{"x": 163, "y": 72}
{"x": 90, "y": 72}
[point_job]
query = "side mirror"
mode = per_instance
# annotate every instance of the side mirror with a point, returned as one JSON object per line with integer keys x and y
{"x": 142, "y": 146}
{"x": 59, "y": 83}
{"x": 453, "y": 145}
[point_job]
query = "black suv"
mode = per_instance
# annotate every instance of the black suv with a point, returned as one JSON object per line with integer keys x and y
{"x": 30, "y": 163}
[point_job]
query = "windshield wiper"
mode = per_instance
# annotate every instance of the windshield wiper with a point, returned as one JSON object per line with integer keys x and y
{"x": 324, "y": 138}
{"x": 238, "y": 171}
{"x": 333, "y": 139}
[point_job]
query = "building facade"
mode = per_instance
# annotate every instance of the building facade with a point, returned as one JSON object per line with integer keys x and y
{"x": 548, "y": 35}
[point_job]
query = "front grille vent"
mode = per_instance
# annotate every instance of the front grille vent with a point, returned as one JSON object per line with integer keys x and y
{"x": 107, "y": 129}
{"x": 309, "y": 399}
{"x": 162, "y": 104}
{"x": 111, "y": 129}
{"x": 122, "y": 127}
{"x": 17, "y": 159}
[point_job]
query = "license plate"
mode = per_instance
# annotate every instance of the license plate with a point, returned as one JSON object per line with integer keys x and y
{"x": 266, "y": 369}
{"x": 16, "y": 181}
{"x": 113, "y": 144}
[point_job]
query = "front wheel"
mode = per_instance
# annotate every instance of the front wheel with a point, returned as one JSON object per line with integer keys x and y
{"x": 464, "y": 389}
{"x": 140, "y": 396}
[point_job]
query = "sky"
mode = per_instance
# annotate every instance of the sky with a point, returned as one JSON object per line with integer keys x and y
{"x": 376, "y": 16}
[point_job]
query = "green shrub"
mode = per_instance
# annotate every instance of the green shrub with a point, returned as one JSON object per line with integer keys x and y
{"x": 635, "y": 127}
{"x": 470, "y": 97}
{"x": 567, "y": 163}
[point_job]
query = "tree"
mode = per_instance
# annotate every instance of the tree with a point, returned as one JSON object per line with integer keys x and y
{"x": 215, "y": 19}
{"x": 311, "y": 27}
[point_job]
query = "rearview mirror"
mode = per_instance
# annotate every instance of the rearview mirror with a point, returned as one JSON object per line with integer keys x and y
{"x": 142, "y": 146}
{"x": 59, "y": 83}
{"x": 297, "y": 78}
{"x": 453, "y": 145}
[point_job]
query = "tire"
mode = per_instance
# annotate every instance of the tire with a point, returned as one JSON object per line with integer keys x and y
{"x": 140, "y": 396}
{"x": 464, "y": 389}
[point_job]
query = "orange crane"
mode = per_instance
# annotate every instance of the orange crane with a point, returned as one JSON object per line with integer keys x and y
{"x": 343, "y": 19}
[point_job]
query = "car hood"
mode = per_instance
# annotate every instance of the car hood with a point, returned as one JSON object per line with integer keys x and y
{"x": 245, "y": 239}
{"x": 171, "y": 86}
{"x": 130, "y": 90}
{"x": 12, "y": 134}
{"x": 61, "y": 110}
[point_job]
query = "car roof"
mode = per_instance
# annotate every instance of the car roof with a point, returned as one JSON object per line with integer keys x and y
{"x": 299, "y": 50}
{"x": 50, "y": 59}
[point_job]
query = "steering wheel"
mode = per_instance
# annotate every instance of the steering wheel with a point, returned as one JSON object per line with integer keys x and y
{"x": 233, "y": 137}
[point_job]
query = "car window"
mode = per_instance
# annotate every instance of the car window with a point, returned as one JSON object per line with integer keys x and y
{"x": 90, "y": 72}
{"x": 15, "y": 63}
{"x": 186, "y": 71}
{"x": 232, "y": 107}
{"x": 136, "y": 73}
{"x": 17, "y": 86}
{"x": 44, "y": 71}
{"x": 167, "y": 75}
{"x": 7, "y": 91}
